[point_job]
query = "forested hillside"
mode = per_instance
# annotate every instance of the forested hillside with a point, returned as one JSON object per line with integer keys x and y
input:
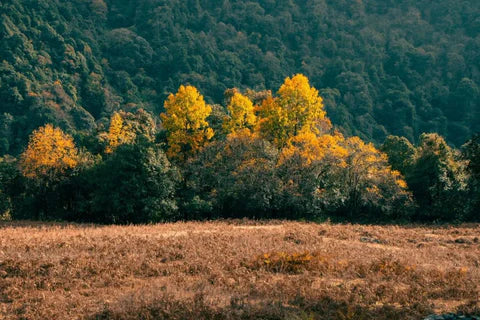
{"x": 383, "y": 67}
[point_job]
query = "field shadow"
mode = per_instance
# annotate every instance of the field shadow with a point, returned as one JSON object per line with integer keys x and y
{"x": 44, "y": 224}
{"x": 196, "y": 308}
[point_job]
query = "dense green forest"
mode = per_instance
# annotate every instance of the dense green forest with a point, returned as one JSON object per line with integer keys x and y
{"x": 383, "y": 67}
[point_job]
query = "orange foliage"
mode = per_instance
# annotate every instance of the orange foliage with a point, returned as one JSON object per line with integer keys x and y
{"x": 309, "y": 147}
{"x": 366, "y": 162}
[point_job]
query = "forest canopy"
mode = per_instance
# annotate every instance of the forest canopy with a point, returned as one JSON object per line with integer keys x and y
{"x": 382, "y": 67}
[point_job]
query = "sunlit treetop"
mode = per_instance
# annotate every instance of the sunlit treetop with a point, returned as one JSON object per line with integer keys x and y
{"x": 241, "y": 113}
{"x": 297, "y": 108}
{"x": 304, "y": 106}
{"x": 49, "y": 152}
{"x": 310, "y": 148}
{"x": 273, "y": 122}
{"x": 185, "y": 121}
{"x": 119, "y": 133}
{"x": 129, "y": 128}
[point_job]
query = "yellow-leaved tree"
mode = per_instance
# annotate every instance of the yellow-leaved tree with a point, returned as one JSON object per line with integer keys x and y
{"x": 241, "y": 114}
{"x": 298, "y": 108}
{"x": 309, "y": 148}
{"x": 304, "y": 107}
{"x": 369, "y": 179}
{"x": 50, "y": 152}
{"x": 273, "y": 122}
{"x": 119, "y": 133}
{"x": 185, "y": 121}
{"x": 305, "y": 167}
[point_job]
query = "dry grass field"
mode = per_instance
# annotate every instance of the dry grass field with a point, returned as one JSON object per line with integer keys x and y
{"x": 237, "y": 270}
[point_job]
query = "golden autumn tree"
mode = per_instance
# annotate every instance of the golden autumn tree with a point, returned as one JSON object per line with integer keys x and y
{"x": 369, "y": 180}
{"x": 303, "y": 104}
{"x": 273, "y": 122}
{"x": 119, "y": 133}
{"x": 308, "y": 147}
{"x": 366, "y": 161}
{"x": 49, "y": 152}
{"x": 241, "y": 114}
{"x": 306, "y": 166}
{"x": 185, "y": 121}
{"x": 297, "y": 107}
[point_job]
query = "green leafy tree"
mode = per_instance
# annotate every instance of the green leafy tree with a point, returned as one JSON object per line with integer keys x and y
{"x": 438, "y": 179}
{"x": 400, "y": 152}
{"x": 135, "y": 184}
{"x": 471, "y": 153}
{"x": 236, "y": 177}
{"x": 11, "y": 187}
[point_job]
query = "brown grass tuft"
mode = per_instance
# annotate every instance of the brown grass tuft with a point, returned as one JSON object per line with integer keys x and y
{"x": 292, "y": 263}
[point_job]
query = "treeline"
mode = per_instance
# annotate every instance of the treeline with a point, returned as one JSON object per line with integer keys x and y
{"x": 260, "y": 155}
{"x": 384, "y": 67}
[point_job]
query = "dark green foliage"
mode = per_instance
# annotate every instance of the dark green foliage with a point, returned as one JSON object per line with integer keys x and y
{"x": 400, "y": 68}
{"x": 234, "y": 178}
{"x": 401, "y": 153}
{"x": 43, "y": 198}
{"x": 10, "y": 184}
{"x": 436, "y": 175}
{"x": 135, "y": 184}
{"x": 471, "y": 153}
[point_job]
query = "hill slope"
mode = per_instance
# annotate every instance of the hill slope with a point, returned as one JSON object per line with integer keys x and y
{"x": 400, "y": 67}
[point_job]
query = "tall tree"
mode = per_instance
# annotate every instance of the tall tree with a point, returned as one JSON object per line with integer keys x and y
{"x": 371, "y": 186}
{"x": 400, "y": 152}
{"x": 127, "y": 127}
{"x": 49, "y": 152}
{"x": 118, "y": 133}
{"x": 303, "y": 106}
{"x": 297, "y": 108}
{"x": 185, "y": 121}
{"x": 240, "y": 113}
{"x": 49, "y": 160}
{"x": 273, "y": 122}
{"x": 438, "y": 179}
